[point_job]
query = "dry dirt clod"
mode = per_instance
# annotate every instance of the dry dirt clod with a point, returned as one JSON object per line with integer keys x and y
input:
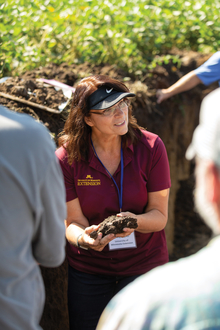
{"x": 19, "y": 91}
{"x": 114, "y": 225}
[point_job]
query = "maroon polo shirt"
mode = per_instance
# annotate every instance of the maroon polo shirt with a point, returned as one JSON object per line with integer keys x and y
{"x": 146, "y": 169}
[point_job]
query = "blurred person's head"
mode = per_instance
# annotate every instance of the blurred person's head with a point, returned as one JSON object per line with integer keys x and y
{"x": 205, "y": 147}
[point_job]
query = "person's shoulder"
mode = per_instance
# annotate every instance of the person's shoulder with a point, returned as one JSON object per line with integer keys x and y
{"x": 22, "y": 122}
{"x": 62, "y": 155}
{"x": 14, "y": 119}
{"x": 213, "y": 60}
{"x": 61, "y": 152}
{"x": 189, "y": 272}
{"x": 186, "y": 277}
{"x": 183, "y": 285}
{"x": 150, "y": 140}
{"x": 26, "y": 131}
{"x": 216, "y": 55}
{"x": 39, "y": 135}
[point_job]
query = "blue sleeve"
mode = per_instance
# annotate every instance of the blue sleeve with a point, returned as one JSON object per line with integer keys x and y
{"x": 209, "y": 72}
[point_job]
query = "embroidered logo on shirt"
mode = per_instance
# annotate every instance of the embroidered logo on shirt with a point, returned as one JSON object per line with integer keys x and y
{"x": 88, "y": 181}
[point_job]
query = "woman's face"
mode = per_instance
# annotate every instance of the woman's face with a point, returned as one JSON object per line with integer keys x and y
{"x": 111, "y": 121}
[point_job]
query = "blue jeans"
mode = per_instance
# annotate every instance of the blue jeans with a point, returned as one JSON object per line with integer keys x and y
{"x": 89, "y": 294}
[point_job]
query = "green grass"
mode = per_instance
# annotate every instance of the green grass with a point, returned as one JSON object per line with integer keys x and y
{"x": 132, "y": 34}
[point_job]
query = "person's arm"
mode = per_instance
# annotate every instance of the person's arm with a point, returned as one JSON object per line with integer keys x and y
{"x": 156, "y": 213}
{"x": 49, "y": 241}
{"x": 185, "y": 83}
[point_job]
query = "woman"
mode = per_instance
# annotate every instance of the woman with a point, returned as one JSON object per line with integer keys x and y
{"x": 110, "y": 166}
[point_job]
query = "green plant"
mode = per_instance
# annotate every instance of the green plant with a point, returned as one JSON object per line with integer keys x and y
{"x": 132, "y": 34}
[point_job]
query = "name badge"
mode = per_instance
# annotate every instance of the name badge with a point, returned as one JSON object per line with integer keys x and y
{"x": 127, "y": 242}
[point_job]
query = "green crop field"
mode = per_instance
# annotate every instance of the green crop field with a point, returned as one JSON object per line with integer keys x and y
{"x": 132, "y": 34}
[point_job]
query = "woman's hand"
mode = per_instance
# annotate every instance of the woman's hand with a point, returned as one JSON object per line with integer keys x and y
{"x": 126, "y": 231}
{"x": 97, "y": 244}
{"x": 77, "y": 225}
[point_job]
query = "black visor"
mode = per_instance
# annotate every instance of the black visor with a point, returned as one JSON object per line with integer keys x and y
{"x": 106, "y": 97}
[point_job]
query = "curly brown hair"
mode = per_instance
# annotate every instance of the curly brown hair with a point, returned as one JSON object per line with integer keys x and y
{"x": 75, "y": 135}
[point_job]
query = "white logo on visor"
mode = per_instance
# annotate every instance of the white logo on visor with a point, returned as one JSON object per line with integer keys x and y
{"x": 109, "y": 90}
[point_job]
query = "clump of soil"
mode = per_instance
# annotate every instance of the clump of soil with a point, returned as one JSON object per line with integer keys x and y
{"x": 114, "y": 225}
{"x": 34, "y": 91}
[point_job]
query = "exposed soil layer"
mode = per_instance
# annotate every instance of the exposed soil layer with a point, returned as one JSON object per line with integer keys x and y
{"x": 173, "y": 120}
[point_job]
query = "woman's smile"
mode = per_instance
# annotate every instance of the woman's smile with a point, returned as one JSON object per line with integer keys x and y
{"x": 121, "y": 123}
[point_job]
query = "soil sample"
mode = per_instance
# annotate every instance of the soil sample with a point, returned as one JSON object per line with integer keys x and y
{"x": 114, "y": 225}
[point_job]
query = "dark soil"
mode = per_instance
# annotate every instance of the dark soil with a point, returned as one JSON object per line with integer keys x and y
{"x": 114, "y": 225}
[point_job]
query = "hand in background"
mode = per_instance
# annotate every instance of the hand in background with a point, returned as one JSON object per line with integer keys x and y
{"x": 162, "y": 95}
